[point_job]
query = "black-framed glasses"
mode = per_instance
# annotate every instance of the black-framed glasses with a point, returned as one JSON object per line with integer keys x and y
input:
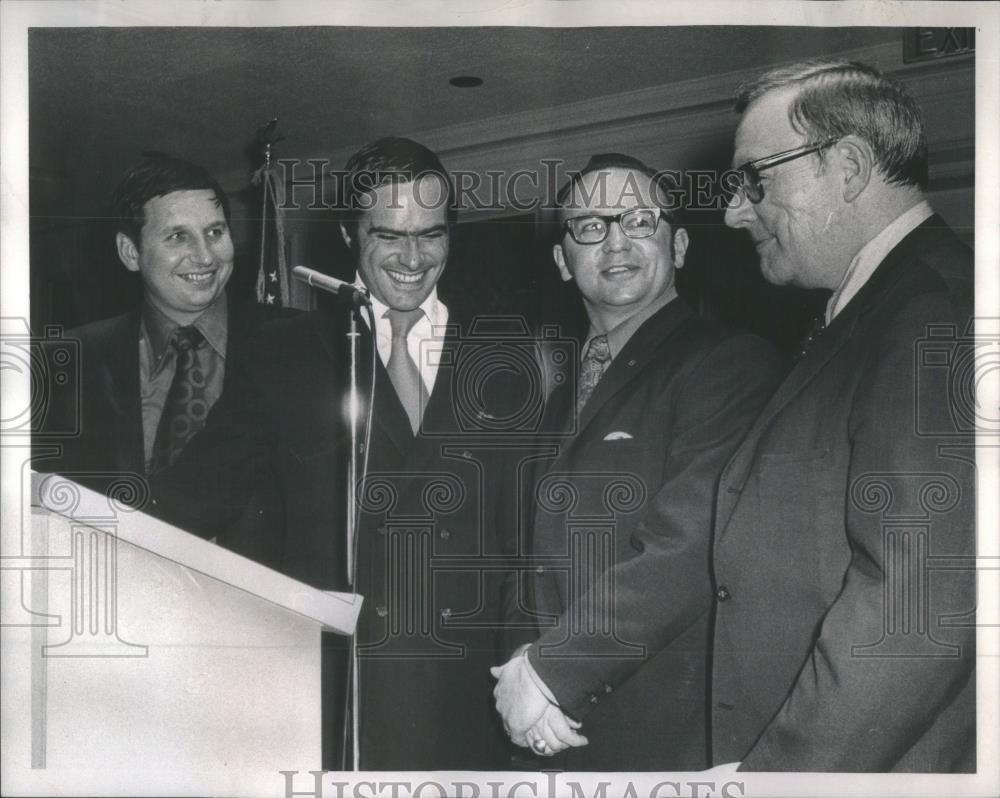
{"x": 745, "y": 179}
{"x": 593, "y": 229}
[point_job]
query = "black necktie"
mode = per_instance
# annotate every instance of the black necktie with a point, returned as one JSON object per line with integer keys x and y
{"x": 185, "y": 410}
{"x": 816, "y": 328}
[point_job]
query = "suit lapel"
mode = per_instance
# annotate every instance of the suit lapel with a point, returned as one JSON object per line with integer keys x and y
{"x": 823, "y": 350}
{"x": 239, "y": 327}
{"x": 624, "y": 369}
{"x": 439, "y": 414}
{"x": 629, "y": 363}
{"x": 388, "y": 414}
{"x": 119, "y": 381}
{"x": 819, "y": 354}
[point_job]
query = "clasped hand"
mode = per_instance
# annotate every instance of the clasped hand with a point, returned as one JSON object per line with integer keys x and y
{"x": 532, "y": 718}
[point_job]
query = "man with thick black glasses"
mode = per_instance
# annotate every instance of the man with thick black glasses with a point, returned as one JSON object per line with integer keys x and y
{"x": 622, "y": 516}
{"x": 838, "y": 646}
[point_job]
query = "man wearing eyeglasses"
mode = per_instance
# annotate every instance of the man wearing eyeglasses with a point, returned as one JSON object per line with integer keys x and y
{"x": 844, "y": 531}
{"x": 620, "y": 587}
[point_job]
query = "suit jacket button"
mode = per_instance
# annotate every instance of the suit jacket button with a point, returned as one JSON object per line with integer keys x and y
{"x": 444, "y": 534}
{"x": 723, "y": 594}
{"x": 381, "y": 611}
{"x": 608, "y": 688}
{"x": 592, "y": 698}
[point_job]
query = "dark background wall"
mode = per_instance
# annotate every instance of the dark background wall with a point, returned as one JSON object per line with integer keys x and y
{"x": 98, "y": 97}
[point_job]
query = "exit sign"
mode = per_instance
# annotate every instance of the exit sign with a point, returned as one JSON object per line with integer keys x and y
{"x": 924, "y": 44}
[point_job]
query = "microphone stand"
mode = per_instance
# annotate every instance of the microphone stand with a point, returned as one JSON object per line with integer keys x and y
{"x": 359, "y": 455}
{"x": 359, "y": 299}
{"x": 354, "y": 419}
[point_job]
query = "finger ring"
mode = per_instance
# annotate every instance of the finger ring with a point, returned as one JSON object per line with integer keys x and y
{"x": 539, "y": 746}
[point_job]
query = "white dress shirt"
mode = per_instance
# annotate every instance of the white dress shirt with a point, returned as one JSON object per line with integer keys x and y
{"x": 872, "y": 254}
{"x": 425, "y": 340}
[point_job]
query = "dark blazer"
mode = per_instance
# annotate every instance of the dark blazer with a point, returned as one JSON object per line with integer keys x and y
{"x": 621, "y": 534}
{"x": 427, "y": 533}
{"x": 844, "y": 637}
{"x": 107, "y": 397}
{"x": 106, "y": 408}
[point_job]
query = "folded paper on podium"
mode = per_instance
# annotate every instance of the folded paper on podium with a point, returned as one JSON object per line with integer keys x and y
{"x": 139, "y": 659}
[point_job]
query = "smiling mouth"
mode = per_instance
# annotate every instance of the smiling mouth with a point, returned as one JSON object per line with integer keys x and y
{"x": 619, "y": 269}
{"x": 198, "y": 278}
{"x": 405, "y": 278}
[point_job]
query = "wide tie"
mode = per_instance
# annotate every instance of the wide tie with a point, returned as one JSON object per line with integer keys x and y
{"x": 402, "y": 370}
{"x": 595, "y": 363}
{"x": 186, "y": 409}
{"x": 816, "y": 328}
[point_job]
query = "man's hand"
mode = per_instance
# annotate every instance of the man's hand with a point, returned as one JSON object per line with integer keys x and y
{"x": 532, "y": 718}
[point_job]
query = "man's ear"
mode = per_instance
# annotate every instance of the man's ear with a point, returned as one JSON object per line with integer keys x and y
{"x": 560, "y": 258}
{"x": 857, "y": 162}
{"x": 128, "y": 252}
{"x": 680, "y": 247}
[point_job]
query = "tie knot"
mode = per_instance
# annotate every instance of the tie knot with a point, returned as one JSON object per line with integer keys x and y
{"x": 598, "y": 349}
{"x": 402, "y": 321}
{"x": 185, "y": 338}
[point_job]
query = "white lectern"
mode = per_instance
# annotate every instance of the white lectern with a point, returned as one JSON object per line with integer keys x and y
{"x": 141, "y": 660}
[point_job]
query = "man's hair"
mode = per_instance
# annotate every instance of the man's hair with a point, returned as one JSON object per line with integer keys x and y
{"x": 157, "y": 175}
{"x": 389, "y": 160}
{"x": 661, "y": 183}
{"x": 841, "y": 98}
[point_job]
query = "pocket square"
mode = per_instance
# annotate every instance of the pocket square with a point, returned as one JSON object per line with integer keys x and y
{"x": 617, "y": 436}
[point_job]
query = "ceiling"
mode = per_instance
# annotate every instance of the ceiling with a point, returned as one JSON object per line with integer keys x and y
{"x": 100, "y": 96}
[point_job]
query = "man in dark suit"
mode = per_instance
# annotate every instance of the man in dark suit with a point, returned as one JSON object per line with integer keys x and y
{"x": 844, "y": 529}
{"x": 150, "y": 376}
{"x": 427, "y": 506}
{"x": 621, "y": 533}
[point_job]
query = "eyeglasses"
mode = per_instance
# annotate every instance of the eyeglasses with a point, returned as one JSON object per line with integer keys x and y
{"x": 745, "y": 179}
{"x": 636, "y": 223}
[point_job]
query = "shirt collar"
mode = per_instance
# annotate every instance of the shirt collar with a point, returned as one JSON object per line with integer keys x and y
{"x": 212, "y": 323}
{"x": 620, "y": 335}
{"x": 872, "y": 254}
{"x": 435, "y": 311}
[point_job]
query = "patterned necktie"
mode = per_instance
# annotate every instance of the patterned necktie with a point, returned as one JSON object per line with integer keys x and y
{"x": 402, "y": 370}
{"x": 816, "y": 328}
{"x": 185, "y": 410}
{"x": 594, "y": 364}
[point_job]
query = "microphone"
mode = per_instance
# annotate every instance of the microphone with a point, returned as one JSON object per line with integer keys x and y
{"x": 324, "y": 282}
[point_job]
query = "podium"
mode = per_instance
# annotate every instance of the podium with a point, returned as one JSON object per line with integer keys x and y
{"x": 138, "y": 659}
